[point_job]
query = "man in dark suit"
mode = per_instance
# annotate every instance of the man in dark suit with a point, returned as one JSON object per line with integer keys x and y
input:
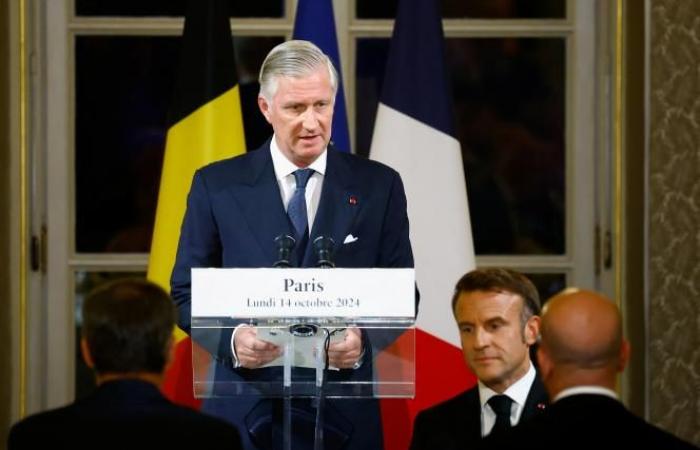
{"x": 127, "y": 340}
{"x": 296, "y": 184}
{"x": 581, "y": 352}
{"x": 496, "y": 312}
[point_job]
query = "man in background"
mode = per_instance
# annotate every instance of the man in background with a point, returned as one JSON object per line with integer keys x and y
{"x": 497, "y": 314}
{"x": 580, "y": 355}
{"x": 127, "y": 340}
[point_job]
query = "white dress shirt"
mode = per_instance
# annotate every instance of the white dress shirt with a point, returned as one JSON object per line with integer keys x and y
{"x": 284, "y": 172}
{"x": 517, "y": 392}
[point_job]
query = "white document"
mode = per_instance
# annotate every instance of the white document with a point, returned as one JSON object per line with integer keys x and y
{"x": 305, "y": 346}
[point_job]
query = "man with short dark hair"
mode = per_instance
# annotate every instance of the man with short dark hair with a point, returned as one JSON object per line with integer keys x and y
{"x": 497, "y": 314}
{"x": 582, "y": 351}
{"x": 127, "y": 340}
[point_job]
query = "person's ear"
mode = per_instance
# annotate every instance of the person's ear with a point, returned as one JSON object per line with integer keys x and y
{"x": 544, "y": 363}
{"x": 532, "y": 330}
{"x": 169, "y": 352}
{"x": 85, "y": 351}
{"x": 624, "y": 356}
{"x": 265, "y": 107}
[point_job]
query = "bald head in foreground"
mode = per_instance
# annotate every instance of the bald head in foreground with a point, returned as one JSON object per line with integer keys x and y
{"x": 582, "y": 350}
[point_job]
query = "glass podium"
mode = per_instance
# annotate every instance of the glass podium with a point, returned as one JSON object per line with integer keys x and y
{"x": 303, "y": 312}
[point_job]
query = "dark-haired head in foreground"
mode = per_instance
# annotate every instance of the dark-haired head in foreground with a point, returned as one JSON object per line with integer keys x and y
{"x": 127, "y": 330}
{"x": 127, "y": 340}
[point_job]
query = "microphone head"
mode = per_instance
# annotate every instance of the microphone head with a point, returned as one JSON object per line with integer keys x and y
{"x": 285, "y": 243}
{"x": 323, "y": 247}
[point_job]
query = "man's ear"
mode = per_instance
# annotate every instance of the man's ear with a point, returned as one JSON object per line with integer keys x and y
{"x": 544, "y": 364}
{"x": 264, "y": 106}
{"x": 85, "y": 351}
{"x": 532, "y": 330}
{"x": 624, "y": 355}
{"x": 169, "y": 352}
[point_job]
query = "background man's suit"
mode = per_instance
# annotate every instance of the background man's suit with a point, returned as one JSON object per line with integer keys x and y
{"x": 586, "y": 421}
{"x": 234, "y": 213}
{"x": 122, "y": 415}
{"x": 456, "y": 423}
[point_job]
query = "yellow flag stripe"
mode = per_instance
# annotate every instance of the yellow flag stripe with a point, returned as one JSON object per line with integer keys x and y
{"x": 211, "y": 133}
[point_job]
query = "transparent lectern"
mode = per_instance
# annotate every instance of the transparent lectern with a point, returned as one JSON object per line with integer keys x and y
{"x": 304, "y": 311}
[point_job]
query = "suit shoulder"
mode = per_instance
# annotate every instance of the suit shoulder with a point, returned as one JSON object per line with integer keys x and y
{"x": 228, "y": 166}
{"x": 362, "y": 164}
{"x": 43, "y": 424}
{"x": 459, "y": 404}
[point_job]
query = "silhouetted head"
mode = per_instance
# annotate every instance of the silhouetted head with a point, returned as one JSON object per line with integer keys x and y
{"x": 127, "y": 328}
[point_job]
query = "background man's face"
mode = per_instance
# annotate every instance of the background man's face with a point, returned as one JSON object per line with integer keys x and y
{"x": 494, "y": 343}
{"x": 301, "y": 114}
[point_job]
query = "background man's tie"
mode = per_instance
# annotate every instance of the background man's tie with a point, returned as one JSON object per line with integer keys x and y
{"x": 501, "y": 406}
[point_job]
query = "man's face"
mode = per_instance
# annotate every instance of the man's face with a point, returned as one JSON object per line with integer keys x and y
{"x": 494, "y": 343}
{"x": 301, "y": 114}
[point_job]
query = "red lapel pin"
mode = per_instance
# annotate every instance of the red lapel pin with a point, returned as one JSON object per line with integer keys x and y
{"x": 352, "y": 200}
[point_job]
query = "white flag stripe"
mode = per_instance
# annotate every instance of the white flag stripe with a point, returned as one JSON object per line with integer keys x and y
{"x": 430, "y": 164}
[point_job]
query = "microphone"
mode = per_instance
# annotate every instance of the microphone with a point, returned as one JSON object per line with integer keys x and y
{"x": 323, "y": 246}
{"x": 285, "y": 244}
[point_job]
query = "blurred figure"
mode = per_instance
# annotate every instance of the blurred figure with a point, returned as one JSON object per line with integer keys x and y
{"x": 581, "y": 352}
{"x": 127, "y": 340}
{"x": 496, "y": 312}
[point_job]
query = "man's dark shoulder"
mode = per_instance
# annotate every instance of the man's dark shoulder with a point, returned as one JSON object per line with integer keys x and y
{"x": 159, "y": 423}
{"x": 239, "y": 165}
{"x": 454, "y": 407}
{"x": 41, "y": 427}
{"x": 361, "y": 164}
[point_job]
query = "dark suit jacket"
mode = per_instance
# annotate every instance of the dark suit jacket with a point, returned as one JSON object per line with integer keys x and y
{"x": 123, "y": 415}
{"x": 235, "y": 211}
{"x": 586, "y": 421}
{"x": 456, "y": 423}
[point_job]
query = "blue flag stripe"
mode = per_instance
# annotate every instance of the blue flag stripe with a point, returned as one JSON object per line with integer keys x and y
{"x": 416, "y": 81}
{"x": 315, "y": 22}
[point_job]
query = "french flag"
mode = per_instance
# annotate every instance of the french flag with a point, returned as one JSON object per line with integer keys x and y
{"x": 414, "y": 133}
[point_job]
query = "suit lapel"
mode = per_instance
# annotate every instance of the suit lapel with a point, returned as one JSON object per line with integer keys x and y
{"x": 537, "y": 399}
{"x": 338, "y": 206}
{"x": 259, "y": 198}
{"x": 472, "y": 424}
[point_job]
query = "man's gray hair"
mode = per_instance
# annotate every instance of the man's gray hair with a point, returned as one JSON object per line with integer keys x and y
{"x": 295, "y": 59}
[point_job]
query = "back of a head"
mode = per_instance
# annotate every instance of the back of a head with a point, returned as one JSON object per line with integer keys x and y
{"x": 582, "y": 330}
{"x": 127, "y": 325}
{"x": 296, "y": 59}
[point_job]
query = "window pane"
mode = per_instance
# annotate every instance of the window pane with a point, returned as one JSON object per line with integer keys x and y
{"x": 141, "y": 8}
{"x": 547, "y": 284}
{"x": 509, "y": 112}
{"x": 85, "y": 282}
{"x": 123, "y": 87}
{"x": 478, "y": 9}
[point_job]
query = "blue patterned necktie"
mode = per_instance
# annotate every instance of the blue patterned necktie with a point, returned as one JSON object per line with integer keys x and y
{"x": 296, "y": 210}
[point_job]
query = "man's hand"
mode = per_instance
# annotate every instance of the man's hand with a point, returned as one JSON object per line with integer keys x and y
{"x": 251, "y": 351}
{"x": 345, "y": 354}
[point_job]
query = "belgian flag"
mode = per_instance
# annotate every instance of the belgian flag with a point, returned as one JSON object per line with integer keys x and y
{"x": 204, "y": 125}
